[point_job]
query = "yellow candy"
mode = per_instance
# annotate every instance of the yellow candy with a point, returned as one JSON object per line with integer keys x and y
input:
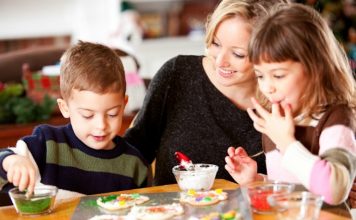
{"x": 191, "y": 192}
{"x": 219, "y": 191}
{"x": 122, "y": 203}
{"x": 214, "y": 214}
{"x": 211, "y": 216}
{"x": 228, "y": 215}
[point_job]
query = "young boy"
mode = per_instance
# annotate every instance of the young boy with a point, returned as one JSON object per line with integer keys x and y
{"x": 86, "y": 155}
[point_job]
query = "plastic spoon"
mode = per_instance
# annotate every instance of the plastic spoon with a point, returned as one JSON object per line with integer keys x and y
{"x": 184, "y": 161}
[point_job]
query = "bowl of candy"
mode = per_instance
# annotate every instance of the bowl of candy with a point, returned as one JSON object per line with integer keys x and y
{"x": 199, "y": 177}
{"x": 296, "y": 205}
{"x": 40, "y": 202}
{"x": 259, "y": 192}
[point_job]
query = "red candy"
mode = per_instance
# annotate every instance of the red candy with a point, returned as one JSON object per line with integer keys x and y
{"x": 259, "y": 201}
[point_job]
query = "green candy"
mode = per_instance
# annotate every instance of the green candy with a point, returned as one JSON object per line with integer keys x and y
{"x": 207, "y": 199}
{"x": 108, "y": 198}
{"x": 33, "y": 206}
{"x": 135, "y": 195}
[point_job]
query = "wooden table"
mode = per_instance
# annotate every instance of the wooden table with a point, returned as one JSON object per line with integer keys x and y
{"x": 65, "y": 208}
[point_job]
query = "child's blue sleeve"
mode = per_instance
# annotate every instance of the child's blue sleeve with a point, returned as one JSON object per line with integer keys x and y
{"x": 3, "y": 154}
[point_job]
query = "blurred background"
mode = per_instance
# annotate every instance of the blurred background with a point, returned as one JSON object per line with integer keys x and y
{"x": 145, "y": 33}
{"x": 153, "y": 30}
{"x": 341, "y": 17}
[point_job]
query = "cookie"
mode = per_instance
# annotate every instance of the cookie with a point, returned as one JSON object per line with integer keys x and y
{"x": 121, "y": 201}
{"x": 202, "y": 198}
{"x": 157, "y": 212}
{"x": 111, "y": 217}
{"x": 230, "y": 215}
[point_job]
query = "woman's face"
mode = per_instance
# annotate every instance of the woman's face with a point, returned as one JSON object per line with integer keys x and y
{"x": 229, "y": 53}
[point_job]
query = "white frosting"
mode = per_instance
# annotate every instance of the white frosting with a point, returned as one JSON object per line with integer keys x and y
{"x": 195, "y": 182}
{"x": 201, "y": 178}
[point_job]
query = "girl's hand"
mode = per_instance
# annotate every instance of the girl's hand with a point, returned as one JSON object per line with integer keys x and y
{"x": 280, "y": 129}
{"x": 240, "y": 166}
{"x": 20, "y": 172}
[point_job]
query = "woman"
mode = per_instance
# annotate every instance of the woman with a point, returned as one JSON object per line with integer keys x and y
{"x": 197, "y": 104}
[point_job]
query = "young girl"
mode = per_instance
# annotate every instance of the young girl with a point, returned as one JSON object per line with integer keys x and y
{"x": 307, "y": 112}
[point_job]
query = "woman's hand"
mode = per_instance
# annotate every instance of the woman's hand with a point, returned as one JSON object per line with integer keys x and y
{"x": 278, "y": 127}
{"x": 240, "y": 166}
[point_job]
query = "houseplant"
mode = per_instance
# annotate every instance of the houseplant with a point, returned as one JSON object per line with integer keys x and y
{"x": 15, "y": 107}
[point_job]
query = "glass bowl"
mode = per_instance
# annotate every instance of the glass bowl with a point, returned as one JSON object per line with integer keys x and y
{"x": 40, "y": 202}
{"x": 201, "y": 178}
{"x": 259, "y": 192}
{"x": 296, "y": 205}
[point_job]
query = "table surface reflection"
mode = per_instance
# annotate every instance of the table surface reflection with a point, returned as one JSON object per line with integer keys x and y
{"x": 64, "y": 209}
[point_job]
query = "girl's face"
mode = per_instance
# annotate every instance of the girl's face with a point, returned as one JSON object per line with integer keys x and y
{"x": 282, "y": 83}
{"x": 96, "y": 118}
{"x": 229, "y": 52}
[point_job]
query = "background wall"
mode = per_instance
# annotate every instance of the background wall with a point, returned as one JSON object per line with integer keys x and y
{"x": 41, "y": 18}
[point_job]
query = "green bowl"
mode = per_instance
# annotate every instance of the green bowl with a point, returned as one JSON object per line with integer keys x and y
{"x": 41, "y": 202}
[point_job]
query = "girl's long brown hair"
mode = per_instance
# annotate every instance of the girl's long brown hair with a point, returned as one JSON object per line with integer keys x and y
{"x": 297, "y": 32}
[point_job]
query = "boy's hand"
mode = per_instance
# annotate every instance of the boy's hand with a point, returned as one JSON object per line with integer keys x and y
{"x": 240, "y": 166}
{"x": 280, "y": 129}
{"x": 20, "y": 172}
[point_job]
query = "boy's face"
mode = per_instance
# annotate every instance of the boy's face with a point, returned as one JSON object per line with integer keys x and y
{"x": 282, "y": 83}
{"x": 96, "y": 118}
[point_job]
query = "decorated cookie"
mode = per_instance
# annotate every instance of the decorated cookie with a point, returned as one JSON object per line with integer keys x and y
{"x": 121, "y": 201}
{"x": 201, "y": 198}
{"x": 158, "y": 212}
{"x": 230, "y": 215}
{"x": 111, "y": 217}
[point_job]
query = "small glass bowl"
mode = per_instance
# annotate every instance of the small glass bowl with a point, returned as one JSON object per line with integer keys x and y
{"x": 40, "y": 202}
{"x": 296, "y": 205}
{"x": 259, "y": 192}
{"x": 201, "y": 178}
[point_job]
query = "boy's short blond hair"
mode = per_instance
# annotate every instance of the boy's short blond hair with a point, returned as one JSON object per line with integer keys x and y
{"x": 93, "y": 67}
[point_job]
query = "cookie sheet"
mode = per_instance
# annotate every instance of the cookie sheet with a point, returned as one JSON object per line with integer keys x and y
{"x": 87, "y": 207}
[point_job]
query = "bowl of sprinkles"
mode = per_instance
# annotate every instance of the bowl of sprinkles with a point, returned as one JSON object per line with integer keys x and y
{"x": 40, "y": 202}
{"x": 259, "y": 192}
{"x": 199, "y": 177}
